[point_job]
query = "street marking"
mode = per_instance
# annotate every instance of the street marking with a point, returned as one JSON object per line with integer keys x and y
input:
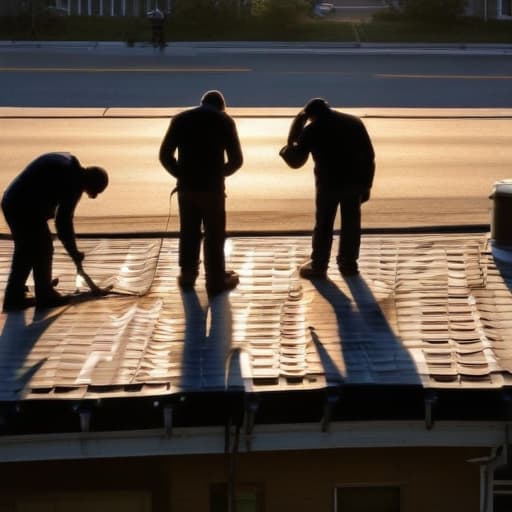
{"x": 243, "y": 70}
{"x": 126, "y": 70}
{"x": 447, "y": 77}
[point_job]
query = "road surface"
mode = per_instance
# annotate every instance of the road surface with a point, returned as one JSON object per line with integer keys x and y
{"x": 256, "y": 75}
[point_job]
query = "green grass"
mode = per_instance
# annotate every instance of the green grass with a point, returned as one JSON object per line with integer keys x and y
{"x": 251, "y": 29}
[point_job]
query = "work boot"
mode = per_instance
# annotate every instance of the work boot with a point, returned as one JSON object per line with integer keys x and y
{"x": 230, "y": 281}
{"x": 52, "y": 300}
{"x": 309, "y": 271}
{"x": 12, "y": 304}
{"x": 187, "y": 278}
{"x": 55, "y": 282}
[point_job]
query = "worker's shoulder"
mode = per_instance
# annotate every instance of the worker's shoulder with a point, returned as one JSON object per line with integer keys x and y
{"x": 208, "y": 116}
{"x": 346, "y": 117}
{"x": 184, "y": 114}
{"x": 56, "y": 159}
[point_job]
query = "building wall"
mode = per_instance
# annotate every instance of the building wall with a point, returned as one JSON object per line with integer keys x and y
{"x": 113, "y": 7}
{"x": 478, "y": 8}
{"x": 87, "y": 7}
{"x": 430, "y": 479}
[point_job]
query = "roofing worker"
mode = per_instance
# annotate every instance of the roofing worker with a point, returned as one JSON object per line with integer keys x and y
{"x": 344, "y": 169}
{"x": 208, "y": 147}
{"x": 49, "y": 187}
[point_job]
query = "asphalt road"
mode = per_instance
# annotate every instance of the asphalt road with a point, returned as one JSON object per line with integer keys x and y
{"x": 255, "y": 75}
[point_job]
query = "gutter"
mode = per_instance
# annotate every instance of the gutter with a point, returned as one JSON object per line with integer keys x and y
{"x": 278, "y": 437}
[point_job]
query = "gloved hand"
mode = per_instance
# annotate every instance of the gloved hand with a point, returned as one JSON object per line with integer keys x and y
{"x": 95, "y": 289}
{"x": 365, "y": 195}
{"x": 296, "y": 127}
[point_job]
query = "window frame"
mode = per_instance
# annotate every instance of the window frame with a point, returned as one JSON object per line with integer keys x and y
{"x": 258, "y": 488}
{"x": 368, "y": 485}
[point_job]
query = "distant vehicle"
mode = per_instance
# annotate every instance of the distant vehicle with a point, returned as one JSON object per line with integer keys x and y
{"x": 324, "y": 9}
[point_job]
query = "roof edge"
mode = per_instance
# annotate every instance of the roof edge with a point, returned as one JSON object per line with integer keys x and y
{"x": 289, "y": 437}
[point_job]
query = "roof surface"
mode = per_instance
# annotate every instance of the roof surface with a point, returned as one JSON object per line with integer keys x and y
{"x": 433, "y": 311}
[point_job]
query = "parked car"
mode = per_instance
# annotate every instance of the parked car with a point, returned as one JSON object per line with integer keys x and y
{"x": 324, "y": 9}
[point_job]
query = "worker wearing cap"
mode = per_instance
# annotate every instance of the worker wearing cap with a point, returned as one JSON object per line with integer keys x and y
{"x": 49, "y": 187}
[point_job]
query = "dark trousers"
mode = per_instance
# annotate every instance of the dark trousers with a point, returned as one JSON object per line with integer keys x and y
{"x": 157, "y": 36}
{"x": 33, "y": 251}
{"x": 327, "y": 203}
{"x": 207, "y": 210}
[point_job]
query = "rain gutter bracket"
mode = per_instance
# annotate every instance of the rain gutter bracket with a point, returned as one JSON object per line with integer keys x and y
{"x": 332, "y": 397}
{"x": 431, "y": 399}
{"x": 252, "y": 405}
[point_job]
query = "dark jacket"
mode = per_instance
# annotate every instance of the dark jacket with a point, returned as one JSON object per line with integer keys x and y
{"x": 202, "y": 136}
{"x": 341, "y": 149}
{"x": 49, "y": 187}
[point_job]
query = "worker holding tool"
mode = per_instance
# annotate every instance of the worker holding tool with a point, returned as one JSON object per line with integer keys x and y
{"x": 49, "y": 187}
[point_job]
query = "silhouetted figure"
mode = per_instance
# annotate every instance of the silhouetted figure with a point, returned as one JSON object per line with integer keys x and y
{"x": 203, "y": 137}
{"x": 157, "y": 19}
{"x": 344, "y": 170}
{"x": 49, "y": 187}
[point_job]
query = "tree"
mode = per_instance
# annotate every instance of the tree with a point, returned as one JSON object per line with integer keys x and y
{"x": 283, "y": 10}
{"x": 204, "y": 10}
{"x": 435, "y": 10}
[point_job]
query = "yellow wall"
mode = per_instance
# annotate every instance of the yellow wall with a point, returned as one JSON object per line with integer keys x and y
{"x": 431, "y": 479}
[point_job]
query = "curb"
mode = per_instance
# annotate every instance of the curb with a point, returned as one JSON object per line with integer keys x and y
{"x": 250, "y": 112}
{"x": 276, "y": 46}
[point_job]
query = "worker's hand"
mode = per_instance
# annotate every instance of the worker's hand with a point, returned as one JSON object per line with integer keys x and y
{"x": 95, "y": 289}
{"x": 296, "y": 127}
{"x": 365, "y": 195}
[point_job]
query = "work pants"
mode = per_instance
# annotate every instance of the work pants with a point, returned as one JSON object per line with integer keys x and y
{"x": 327, "y": 203}
{"x": 207, "y": 210}
{"x": 33, "y": 251}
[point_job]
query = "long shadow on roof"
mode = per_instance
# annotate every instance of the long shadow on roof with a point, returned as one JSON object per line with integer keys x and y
{"x": 19, "y": 335}
{"x": 208, "y": 363}
{"x": 369, "y": 350}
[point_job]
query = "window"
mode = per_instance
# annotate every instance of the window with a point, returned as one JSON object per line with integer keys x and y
{"x": 506, "y": 8}
{"x": 249, "y": 498}
{"x": 367, "y": 499}
{"x": 502, "y": 496}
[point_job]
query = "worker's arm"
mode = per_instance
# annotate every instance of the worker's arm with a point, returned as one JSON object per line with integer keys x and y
{"x": 233, "y": 150}
{"x": 296, "y": 151}
{"x": 65, "y": 227}
{"x": 168, "y": 150}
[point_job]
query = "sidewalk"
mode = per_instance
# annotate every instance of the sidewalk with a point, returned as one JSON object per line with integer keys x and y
{"x": 206, "y": 47}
